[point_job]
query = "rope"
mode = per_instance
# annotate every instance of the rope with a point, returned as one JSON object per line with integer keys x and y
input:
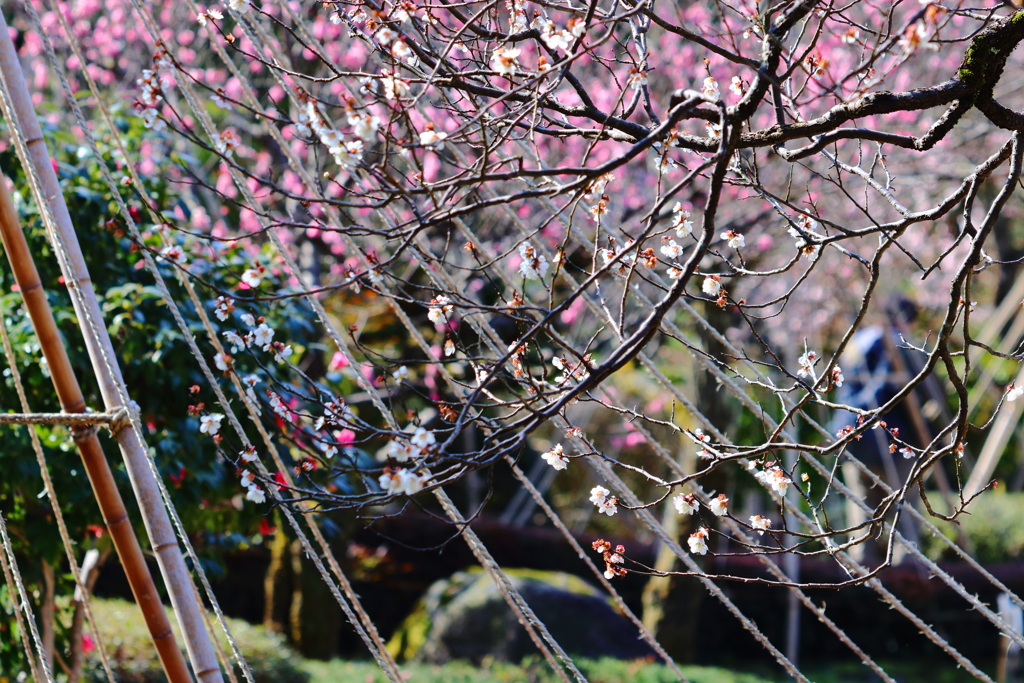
{"x": 19, "y": 596}
{"x": 165, "y": 293}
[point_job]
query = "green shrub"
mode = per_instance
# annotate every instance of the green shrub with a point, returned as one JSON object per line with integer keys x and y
{"x": 134, "y": 660}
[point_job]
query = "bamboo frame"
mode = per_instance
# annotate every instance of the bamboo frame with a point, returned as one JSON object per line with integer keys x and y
{"x": 115, "y": 516}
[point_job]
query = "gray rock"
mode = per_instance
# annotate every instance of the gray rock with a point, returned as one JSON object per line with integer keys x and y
{"x": 466, "y": 617}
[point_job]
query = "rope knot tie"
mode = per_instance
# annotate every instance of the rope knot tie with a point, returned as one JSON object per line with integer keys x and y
{"x": 122, "y": 417}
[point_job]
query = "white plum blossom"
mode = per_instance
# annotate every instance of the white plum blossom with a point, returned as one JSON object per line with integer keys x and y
{"x": 907, "y": 453}
{"x": 637, "y": 78}
{"x": 807, "y": 362}
{"x": 240, "y": 6}
{"x": 777, "y": 480}
{"x": 606, "y": 503}
{"x": 248, "y": 455}
{"x": 555, "y": 458}
{"x": 681, "y": 221}
{"x": 223, "y": 362}
{"x": 719, "y": 505}
{"x": 256, "y": 495}
{"x": 671, "y": 249}
{"x": 449, "y": 347}
{"x": 263, "y": 335}
{"x": 710, "y": 88}
{"x": 734, "y": 239}
{"x": 224, "y": 308}
{"x": 235, "y": 340}
{"x": 364, "y": 126}
{"x": 401, "y": 373}
{"x": 736, "y": 86}
{"x": 1014, "y": 392}
{"x": 226, "y": 142}
{"x": 401, "y": 481}
{"x": 534, "y": 266}
{"x": 760, "y": 524}
{"x": 253, "y": 276}
{"x": 698, "y": 541}
{"x": 422, "y": 438}
{"x": 837, "y": 377}
{"x": 210, "y": 424}
{"x": 432, "y": 139}
{"x": 385, "y": 35}
{"x": 504, "y": 60}
{"x": 394, "y": 87}
{"x": 153, "y": 121}
{"x": 712, "y": 285}
{"x": 174, "y": 254}
{"x": 686, "y": 504}
{"x": 439, "y": 309}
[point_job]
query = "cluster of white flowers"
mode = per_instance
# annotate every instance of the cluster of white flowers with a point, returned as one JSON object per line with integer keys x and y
{"x": 806, "y": 363}
{"x": 810, "y": 227}
{"x": 534, "y": 265}
{"x": 760, "y": 524}
{"x": 253, "y": 490}
{"x": 555, "y": 458}
{"x": 605, "y": 502}
{"x": 637, "y": 78}
{"x": 736, "y": 86}
{"x": 250, "y": 383}
{"x": 719, "y": 505}
{"x": 149, "y": 83}
{"x": 253, "y": 276}
{"x": 556, "y": 38}
{"x": 223, "y": 362}
{"x": 681, "y": 221}
{"x": 837, "y": 377}
{"x": 279, "y": 407}
{"x": 710, "y": 88}
{"x": 772, "y": 476}
{"x": 702, "y": 439}
{"x": 517, "y": 13}
{"x": 151, "y": 117}
{"x": 174, "y": 254}
{"x": 347, "y": 153}
{"x": 439, "y": 309}
{"x": 395, "y": 88}
{"x": 686, "y": 504}
{"x": 224, "y": 308}
{"x": 210, "y": 424}
{"x": 505, "y": 61}
{"x": 226, "y": 141}
{"x": 670, "y": 248}
{"x": 419, "y": 445}
{"x": 432, "y": 139}
{"x": 734, "y": 239}
{"x": 579, "y": 371}
{"x": 698, "y": 541}
{"x": 399, "y": 481}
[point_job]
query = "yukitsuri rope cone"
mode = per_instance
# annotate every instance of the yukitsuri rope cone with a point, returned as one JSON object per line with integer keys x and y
{"x": 256, "y": 32}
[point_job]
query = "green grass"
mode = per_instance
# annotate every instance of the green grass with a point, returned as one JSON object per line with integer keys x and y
{"x": 601, "y": 671}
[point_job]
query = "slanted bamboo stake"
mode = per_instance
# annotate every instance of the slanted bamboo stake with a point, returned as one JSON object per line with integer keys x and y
{"x": 96, "y": 467}
{"x": 24, "y": 125}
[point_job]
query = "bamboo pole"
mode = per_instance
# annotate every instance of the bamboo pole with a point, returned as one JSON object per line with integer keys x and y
{"x": 108, "y": 373}
{"x": 96, "y": 467}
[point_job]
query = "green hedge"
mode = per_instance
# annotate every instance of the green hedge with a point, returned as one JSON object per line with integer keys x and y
{"x": 133, "y": 659}
{"x": 993, "y": 528}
